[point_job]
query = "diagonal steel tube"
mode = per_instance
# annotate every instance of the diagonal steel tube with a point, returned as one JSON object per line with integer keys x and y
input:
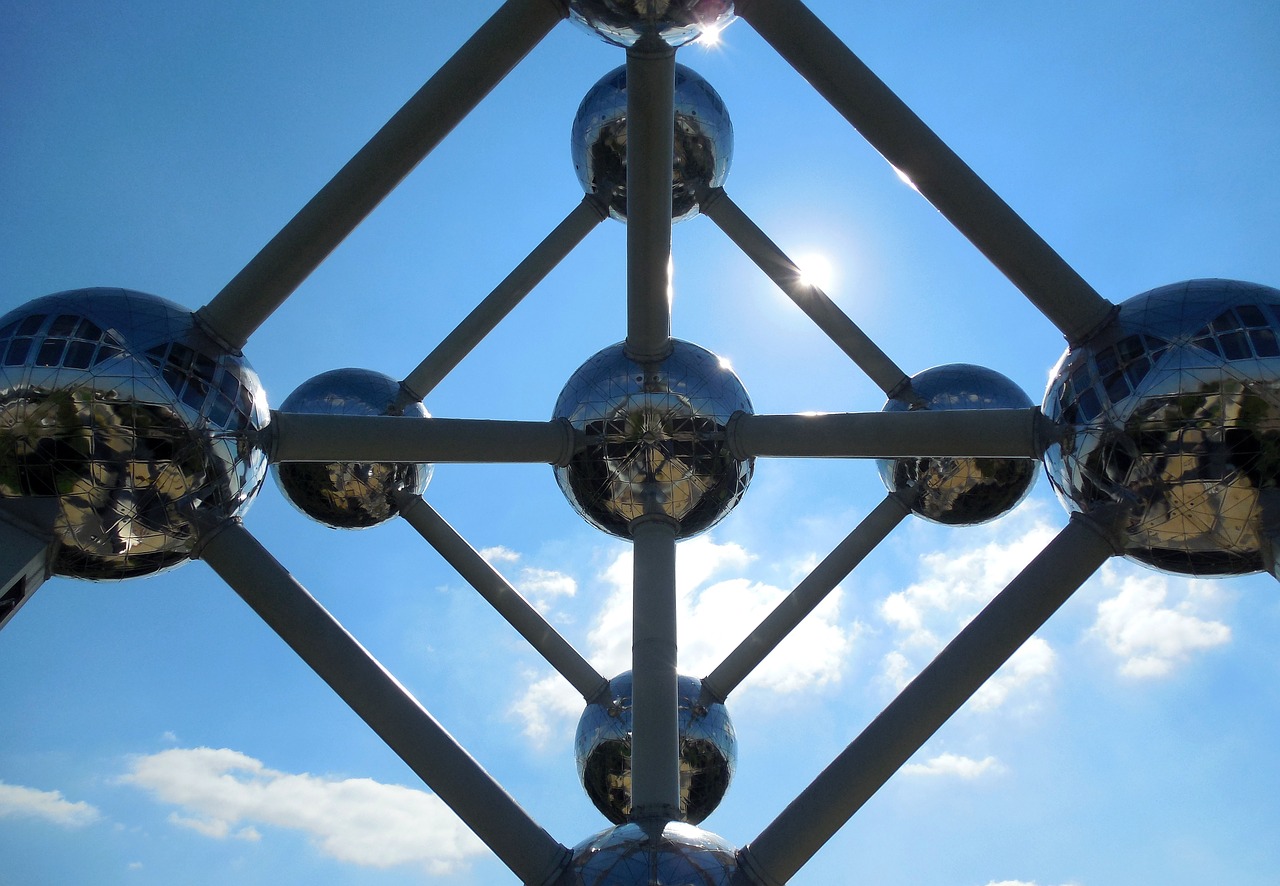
{"x": 992, "y": 433}
{"x": 757, "y": 246}
{"x": 806, "y": 596}
{"x": 1052, "y": 285}
{"x": 520, "y": 282}
{"x": 967, "y": 662}
{"x": 379, "y": 699}
{"x": 468, "y": 563}
{"x": 333, "y": 213}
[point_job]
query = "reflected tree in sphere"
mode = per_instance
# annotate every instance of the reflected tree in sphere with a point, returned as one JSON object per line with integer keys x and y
{"x": 350, "y": 495}
{"x": 708, "y": 751}
{"x": 703, "y": 142}
{"x": 674, "y": 854}
{"x": 962, "y": 491}
{"x": 654, "y": 437}
{"x": 1174, "y": 415}
{"x": 675, "y": 22}
{"x": 115, "y": 406}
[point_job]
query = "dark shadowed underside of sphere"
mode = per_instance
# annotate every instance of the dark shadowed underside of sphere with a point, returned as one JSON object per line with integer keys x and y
{"x": 675, "y": 22}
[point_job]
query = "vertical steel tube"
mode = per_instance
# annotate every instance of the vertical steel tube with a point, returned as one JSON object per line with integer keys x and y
{"x": 655, "y": 741}
{"x": 651, "y": 111}
{"x": 927, "y": 702}
{"x": 333, "y": 213}
{"x": 389, "y": 709}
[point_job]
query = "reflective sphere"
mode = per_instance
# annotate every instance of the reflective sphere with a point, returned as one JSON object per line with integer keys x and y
{"x": 655, "y": 437}
{"x": 1174, "y": 412}
{"x": 676, "y": 22}
{"x": 349, "y": 495}
{"x": 962, "y": 491}
{"x": 636, "y": 855}
{"x": 703, "y": 142}
{"x": 708, "y": 751}
{"x": 115, "y": 404}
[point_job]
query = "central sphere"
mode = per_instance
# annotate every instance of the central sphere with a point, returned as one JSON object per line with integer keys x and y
{"x": 675, "y": 22}
{"x": 676, "y": 854}
{"x": 655, "y": 439}
{"x": 1174, "y": 415}
{"x": 703, "y": 142}
{"x": 708, "y": 751}
{"x": 116, "y": 406}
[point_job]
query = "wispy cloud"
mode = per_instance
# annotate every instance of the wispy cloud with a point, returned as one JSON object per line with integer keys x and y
{"x": 224, "y": 794}
{"x": 1019, "y": 883}
{"x": 954, "y": 766}
{"x": 22, "y": 802}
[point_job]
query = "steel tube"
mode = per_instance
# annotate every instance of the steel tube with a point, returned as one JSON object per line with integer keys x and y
{"x": 389, "y": 709}
{"x": 967, "y": 662}
{"x": 1052, "y": 285}
{"x": 333, "y": 213}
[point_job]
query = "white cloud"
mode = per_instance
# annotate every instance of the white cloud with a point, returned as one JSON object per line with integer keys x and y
{"x": 1018, "y": 883}
{"x": 547, "y": 707}
{"x": 954, "y": 766}
{"x": 21, "y": 802}
{"x": 222, "y": 792}
{"x": 499, "y": 554}
{"x": 543, "y": 583}
{"x": 1149, "y": 636}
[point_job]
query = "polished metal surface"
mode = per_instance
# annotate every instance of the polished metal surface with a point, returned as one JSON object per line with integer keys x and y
{"x": 708, "y": 751}
{"x": 655, "y": 439}
{"x": 349, "y": 495}
{"x": 961, "y": 491}
{"x": 640, "y": 855}
{"x": 703, "y": 142}
{"x": 676, "y": 22}
{"x": 1175, "y": 416}
{"x": 115, "y": 404}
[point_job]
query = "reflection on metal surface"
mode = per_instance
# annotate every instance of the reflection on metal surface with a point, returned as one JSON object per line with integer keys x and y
{"x": 962, "y": 491}
{"x": 708, "y": 751}
{"x": 350, "y": 495}
{"x": 639, "y": 855}
{"x": 117, "y": 405}
{"x": 703, "y": 142}
{"x": 655, "y": 439}
{"x": 1176, "y": 414}
{"x": 676, "y": 22}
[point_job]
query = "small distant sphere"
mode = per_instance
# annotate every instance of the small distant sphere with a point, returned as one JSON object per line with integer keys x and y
{"x": 703, "y": 142}
{"x": 962, "y": 491}
{"x": 708, "y": 751}
{"x": 349, "y": 495}
{"x": 116, "y": 406}
{"x": 678, "y": 854}
{"x": 655, "y": 437}
{"x": 1174, "y": 414}
{"x": 676, "y": 22}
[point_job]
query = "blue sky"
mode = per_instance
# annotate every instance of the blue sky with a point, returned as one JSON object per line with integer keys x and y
{"x": 154, "y": 731}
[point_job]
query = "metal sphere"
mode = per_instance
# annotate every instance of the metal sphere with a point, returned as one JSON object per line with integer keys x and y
{"x": 703, "y": 142}
{"x": 962, "y": 491}
{"x": 115, "y": 405}
{"x": 708, "y": 751}
{"x": 675, "y": 22}
{"x": 676, "y": 854}
{"x": 349, "y": 495}
{"x": 655, "y": 439}
{"x": 1174, "y": 415}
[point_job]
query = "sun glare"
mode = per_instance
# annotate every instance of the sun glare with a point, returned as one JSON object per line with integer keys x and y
{"x": 816, "y": 270}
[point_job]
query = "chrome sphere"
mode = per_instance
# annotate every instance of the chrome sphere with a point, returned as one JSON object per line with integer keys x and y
{"x": 676, "y": 854}
{"x": 117, "y": 406}
{"x": 655, "y": 439}
{"x": 962, "y": 491}
{"x": 1174, "y": 414}
{"x": 703, "y": 142}
{"x": 708, "y": 751}
{"x": 349, "y": 495}
{"x": 676, "y": 22}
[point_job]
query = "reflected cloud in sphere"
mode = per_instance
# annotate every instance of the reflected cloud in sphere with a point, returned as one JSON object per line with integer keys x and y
{"x": 675, "y": 22}
{"x": 676, "y": 854}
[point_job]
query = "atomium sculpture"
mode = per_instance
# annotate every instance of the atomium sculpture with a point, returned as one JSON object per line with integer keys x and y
{"x": 133, "y": 436}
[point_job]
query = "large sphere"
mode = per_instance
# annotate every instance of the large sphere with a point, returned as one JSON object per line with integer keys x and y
{"x": 638, "y": 855}
{"x": 1174, "y": 411}
{"x": 349, "y": 495}
{"x": 676, "y": 22}
{"x": 655, "y": 439}
{"x": 962, "y": 491}
{"x": 117, "y": 406}
{"x": 708, "y": 751}
{"x": 703, "y": 142}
